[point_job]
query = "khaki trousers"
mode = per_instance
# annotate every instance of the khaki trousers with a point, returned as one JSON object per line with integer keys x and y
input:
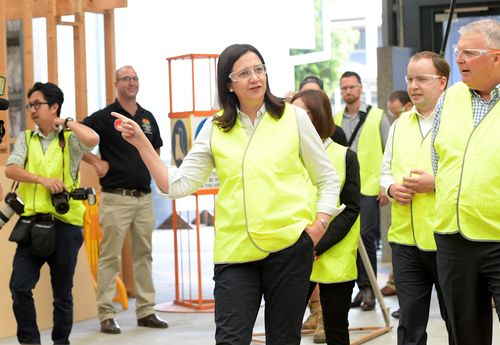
{"x": 117, "y": 214}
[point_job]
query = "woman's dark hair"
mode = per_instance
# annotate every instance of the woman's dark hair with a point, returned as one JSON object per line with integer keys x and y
{"x": 319, "y": 110}
{"x": 228, "y": 101}
{"x": 51, "y": 92}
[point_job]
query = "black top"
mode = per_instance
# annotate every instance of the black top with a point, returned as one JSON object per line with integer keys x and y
{"x": 339, "y": 136}
{"x": 127, "y": 169}
{"x": 340, "y": 226}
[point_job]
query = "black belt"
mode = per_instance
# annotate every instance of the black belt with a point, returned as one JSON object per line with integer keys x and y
{"x": 44, "y": 217}
{"x": 125, "y": 192}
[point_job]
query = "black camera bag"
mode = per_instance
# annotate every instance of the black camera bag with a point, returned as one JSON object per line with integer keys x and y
{"x": 21, "y": 232}
{"x": 43, "y": 238}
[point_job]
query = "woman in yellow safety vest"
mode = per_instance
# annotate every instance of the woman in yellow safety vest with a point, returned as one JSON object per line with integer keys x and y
{"x": 334, "y": 267}
{"x": 264, "y": 152}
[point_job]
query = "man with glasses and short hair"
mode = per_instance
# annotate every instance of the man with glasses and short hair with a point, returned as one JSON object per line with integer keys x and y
{"x": 45, "y": 161}
{"x": 406, "y": 176}
{"x": 465, "y": 148}
{"x": 366, "y": 129}
{"x": 125, "y": 203}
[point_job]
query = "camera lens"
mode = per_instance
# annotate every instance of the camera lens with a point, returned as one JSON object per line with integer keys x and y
{"x": 60, "y": 202}
{"x": 5, "y": 214}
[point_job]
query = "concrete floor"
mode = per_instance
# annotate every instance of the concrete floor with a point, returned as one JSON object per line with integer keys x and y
{"x": 198, "y": 328}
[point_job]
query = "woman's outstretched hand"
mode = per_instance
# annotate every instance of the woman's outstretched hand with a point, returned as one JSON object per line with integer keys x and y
{"x": 130, "y": 130}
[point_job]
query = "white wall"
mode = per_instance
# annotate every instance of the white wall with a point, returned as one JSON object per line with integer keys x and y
{"x": 147, "y": 32}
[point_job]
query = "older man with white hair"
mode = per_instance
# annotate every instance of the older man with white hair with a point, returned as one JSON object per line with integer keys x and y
{"x": 465, "y": 161}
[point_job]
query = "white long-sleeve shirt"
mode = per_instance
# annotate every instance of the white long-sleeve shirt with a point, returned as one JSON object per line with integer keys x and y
{"x": 386, "y": 178}
{"x": 199, "y": 163}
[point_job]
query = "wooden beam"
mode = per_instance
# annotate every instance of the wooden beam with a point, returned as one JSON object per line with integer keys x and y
{"x": 101, "y": 6}
{"x": 52, "y": 63}
{"x": 109, "y": 55}
{"x": 14, "y": 8}
{"x": 27, "y": 46}
{"x": 80, "y": 62}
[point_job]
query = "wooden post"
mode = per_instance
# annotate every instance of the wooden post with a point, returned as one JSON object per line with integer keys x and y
{"x": 110, "y": 55}
{"x": 81, "y": 66}
{"x": 28, "y": 63}
{"x": 52, "y": 63}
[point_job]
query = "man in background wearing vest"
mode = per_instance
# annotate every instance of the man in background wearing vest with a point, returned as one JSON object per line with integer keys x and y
{"x": 406, "y": 176}
{"x": 366, "y": 129}
{"x": 465, "y": 147}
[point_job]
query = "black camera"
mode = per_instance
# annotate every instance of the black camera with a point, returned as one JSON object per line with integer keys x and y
{"x": 13, "y": 204}
{"x": 60, "y": 201}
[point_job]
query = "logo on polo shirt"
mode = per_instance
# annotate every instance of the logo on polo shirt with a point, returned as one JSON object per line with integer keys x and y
{"x": 146, "y": 126}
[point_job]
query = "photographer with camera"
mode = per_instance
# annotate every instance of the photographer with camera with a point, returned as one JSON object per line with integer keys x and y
{"x": 45, "y": 161}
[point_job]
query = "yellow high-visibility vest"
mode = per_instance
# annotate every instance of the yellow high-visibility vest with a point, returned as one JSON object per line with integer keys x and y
{"x": 263, "y": 205}
{"x": 412, "y": 224}
{"x": 468, "y": 176}
{"x": 37, "y": 198}
{"x": 369, "y": 151}
{"x": 338, "y": 264}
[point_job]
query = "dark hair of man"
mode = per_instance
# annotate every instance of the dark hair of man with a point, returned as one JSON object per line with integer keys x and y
{"x": 348, "y": 74}
{"x": 319, "y": 110}
{"x": 439, "y": 62}
{"x": 400, "y": 95}
{"x": 311, "y": 79}
{"x": 229, "y": 102}
{"x": 52, "y": 93}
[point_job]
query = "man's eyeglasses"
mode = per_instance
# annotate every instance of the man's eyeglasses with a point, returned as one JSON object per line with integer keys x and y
{"x": 246, "y": 73}
{"x": 128, "y": 79}
{"x": 36, "y": 105}
{"x": 421, "y": 79}
{"x": 472, "y": 53}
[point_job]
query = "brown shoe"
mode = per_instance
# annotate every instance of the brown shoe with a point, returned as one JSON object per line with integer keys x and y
{"x": 356, "y": 302}
{"x": 110, "y": 326}
{"x": 312, "y": 320}
{"x": 368, "y": 299}
{"x": 152, "y": 321}
{"x": 388, "y": 291}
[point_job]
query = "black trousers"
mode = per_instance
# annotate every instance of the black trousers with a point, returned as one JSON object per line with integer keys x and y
{"x": 469, "y": 274}
{"x": 282, "y": 278}
{"x": 415, "y": 273}
{"x": 335, "y": 302}
{"x": 370, "y": 225}
{"x": 25, "y": 275}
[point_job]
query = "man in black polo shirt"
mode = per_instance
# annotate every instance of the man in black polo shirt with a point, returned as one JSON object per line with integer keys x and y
{"x": 125, "y": 203}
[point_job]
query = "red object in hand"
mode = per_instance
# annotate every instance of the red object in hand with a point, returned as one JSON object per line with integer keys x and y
{"x": 118, "y": 122}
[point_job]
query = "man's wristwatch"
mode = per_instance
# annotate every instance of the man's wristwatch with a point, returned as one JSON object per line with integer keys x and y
{"x": 66, "y": 122}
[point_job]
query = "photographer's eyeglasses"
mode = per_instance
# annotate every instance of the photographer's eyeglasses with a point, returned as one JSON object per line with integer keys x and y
{"x": 421, "y": 79}
{"x": 246, "y": 73}
{"x": 35, "y": 105}
{"x": 128, "y": 79}
{"x": 472, "y": 53}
